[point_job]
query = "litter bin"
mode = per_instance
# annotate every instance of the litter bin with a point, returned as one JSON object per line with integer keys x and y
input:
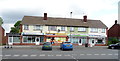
{"x": 86, "y": 44}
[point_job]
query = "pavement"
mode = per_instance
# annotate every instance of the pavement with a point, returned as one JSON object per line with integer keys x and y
{"x": 34, "y": 46}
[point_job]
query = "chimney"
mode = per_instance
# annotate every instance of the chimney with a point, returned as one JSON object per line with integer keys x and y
{"x": 45, "y": 16}
{"x": 115, "y": 21}
{"x": 85, "y": 18}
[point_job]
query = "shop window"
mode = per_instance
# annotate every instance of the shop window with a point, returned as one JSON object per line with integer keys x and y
{"x": 16, "y": 39}
{"x": 10, "y": 39}
{"x": 28, "y": 39}
{"x": 33, "y": 39}
{"x": 41, "y": 39}
{"x": 84, "y": 41}
{"x": 100, "y": 41}
{"x": 75, "y": 40}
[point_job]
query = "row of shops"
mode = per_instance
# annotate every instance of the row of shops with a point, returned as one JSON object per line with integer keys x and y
{"x": 40, "y": 38}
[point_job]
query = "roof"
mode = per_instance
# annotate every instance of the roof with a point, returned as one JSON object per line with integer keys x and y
{"x": 34, "y": 20}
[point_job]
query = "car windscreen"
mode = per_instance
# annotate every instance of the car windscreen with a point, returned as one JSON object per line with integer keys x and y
{"x": 47, "y": 43}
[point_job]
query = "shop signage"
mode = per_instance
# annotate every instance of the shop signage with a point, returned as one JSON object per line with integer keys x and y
{"x": 31, "y": 33}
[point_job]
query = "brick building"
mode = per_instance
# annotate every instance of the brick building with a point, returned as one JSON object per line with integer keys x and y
{"x": 114, "y": 31}
{"x": 2, "y": 35}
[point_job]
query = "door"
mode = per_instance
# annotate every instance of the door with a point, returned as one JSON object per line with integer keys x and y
{"x": 10, "y": 40}
{"x": 37, "y": 41}
{"x": 79, "y": 41}
{"x": 92, "y": 42}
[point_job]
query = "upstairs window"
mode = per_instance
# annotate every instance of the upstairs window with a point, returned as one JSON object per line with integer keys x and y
{"x": 82, "y": 29}
{"x": 37, "y": 27}
{"x": 103, "y": 30}
{"x": 26, "y": 27}
{"x": 71, "y": 28}
{"x": 62, "y": 28}
{"x": 94, "y": 30}
{"x": 52, "y": 28}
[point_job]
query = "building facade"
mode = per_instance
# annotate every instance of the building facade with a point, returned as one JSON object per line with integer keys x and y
{"x": 37, "y": 30}
{"x": 2, "y": 41}
{"x": 114, "y": 31}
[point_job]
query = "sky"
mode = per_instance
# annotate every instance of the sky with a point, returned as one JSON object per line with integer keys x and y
{"x": 13, "y": 10}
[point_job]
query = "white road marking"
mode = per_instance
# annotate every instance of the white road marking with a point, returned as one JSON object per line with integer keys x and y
{"x": 1, "y": 55}
{"x": 42, "y": 55}
{"x": 33, "y": 55}
{"x": 24, "y": 55}
{"x": 115, "y": 54}
{"x": 82, "y": 54}
{"x": 110, "y": 54}
{"x": 16, "y": 55}
{"x": 58, "y": 55}
{"x": 7, "y": 55}
{"x": 89, "y": 54}
{"x": 67, "y": 55}
{"x": 50, "y": 55}
{"x": 74, "y": 54}
{"x": 96, "y": 54}
{"x": 103, "y": 54}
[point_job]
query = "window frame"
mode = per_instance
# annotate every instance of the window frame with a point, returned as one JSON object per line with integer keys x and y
{"x": 51, "y": 29}
{"x": 81, "y": 29}
{"x": 103, "y": 31}
{"x": 26, "y": 27}
{"x": 94, "y": 30}
{"x": 37, "y": 28}
{"x": 71, "y": 29}
{"x": 62, "y": 28}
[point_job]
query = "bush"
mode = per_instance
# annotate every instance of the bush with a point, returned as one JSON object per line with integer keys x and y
{"x": 112, "y": 41}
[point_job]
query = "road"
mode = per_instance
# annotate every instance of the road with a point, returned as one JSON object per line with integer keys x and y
{"x": 35, "y": 52}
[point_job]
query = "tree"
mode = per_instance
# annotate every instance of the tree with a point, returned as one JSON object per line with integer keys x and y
{"x": 1, "y": 21}
{"x": 16, "y": 27}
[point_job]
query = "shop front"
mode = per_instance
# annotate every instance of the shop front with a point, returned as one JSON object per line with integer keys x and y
{"x": 97, "y": 40}
{"x": 56, "y": 38}
{"x": 78, "y": 39}
{"x": 32, "y": 38}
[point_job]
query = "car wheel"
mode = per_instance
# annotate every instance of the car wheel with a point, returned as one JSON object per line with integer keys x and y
{"x": 112, "y": 47}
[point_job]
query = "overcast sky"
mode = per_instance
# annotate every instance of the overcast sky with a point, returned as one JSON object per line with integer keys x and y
{"x": 104, "y": 10}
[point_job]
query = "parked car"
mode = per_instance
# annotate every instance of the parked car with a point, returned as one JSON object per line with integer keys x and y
{"x": 47, "y": 46}
{"x": 66, "y": 46}
{"x": 114, "y": 46}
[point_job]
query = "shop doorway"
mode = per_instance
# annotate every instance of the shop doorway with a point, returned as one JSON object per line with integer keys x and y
{"x": 37, "y": 40}
{"x": 10, "y": 40}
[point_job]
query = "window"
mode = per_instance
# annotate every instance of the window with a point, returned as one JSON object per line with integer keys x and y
{"x": 28, "y": 39}
{"x": 52, "y": 28}
{"x": 37, "y": 27}
{"x": 71, "y": 28}
{"x": 81, "y": 29}
{"x": 26, "y": 27}
{"x": 94, "y": 30}
{"x": 103, "y": 30}
{"x": 100, "y": 41}
{"x": 62, "y": 28}
{"x": 16, "y": 39}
